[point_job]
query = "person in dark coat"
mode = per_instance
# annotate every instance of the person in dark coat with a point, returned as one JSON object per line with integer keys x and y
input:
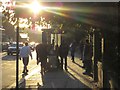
{"x": 63, "y": 53}
{"x": 41, "y": 52}
{"x": 81, "y": 45}
{"x": 57, "y": 55}
{"x": 72, "y": 49}
{"x": 88, "y": 58}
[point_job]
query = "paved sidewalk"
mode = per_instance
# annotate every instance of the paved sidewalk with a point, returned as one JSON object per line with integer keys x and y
{"x": 73, "y": 78}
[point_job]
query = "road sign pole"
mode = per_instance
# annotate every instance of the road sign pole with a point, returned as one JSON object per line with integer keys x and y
{"x": 17, "y": 56}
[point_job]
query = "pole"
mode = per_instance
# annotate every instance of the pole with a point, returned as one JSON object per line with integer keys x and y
{"x": 102, "y": 50}
{"x": 105, "y": 75}
{"x": 17, "y": 54}
{"x": 95, "y": 55}
{"x": 96, "y": 46}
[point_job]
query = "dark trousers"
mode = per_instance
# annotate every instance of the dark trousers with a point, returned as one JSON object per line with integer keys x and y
{"x": 58, "y": 62}
{"x": 72, "y": 56}
{"x": 81, "y": 54}
{"x": 43, "y": 64}
{"x": 64, "y": 58}
{"x": 88, "y": 65}
{"x": 25, "y": 62}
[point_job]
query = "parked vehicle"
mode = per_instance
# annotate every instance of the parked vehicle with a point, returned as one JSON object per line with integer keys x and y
{"x": 12, "y": 48}
{"x": 5, "y": 46}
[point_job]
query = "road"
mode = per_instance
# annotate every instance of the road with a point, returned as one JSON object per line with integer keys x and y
{"x": 9, "y": 68}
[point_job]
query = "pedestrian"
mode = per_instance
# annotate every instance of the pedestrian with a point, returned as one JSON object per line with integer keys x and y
{"x": 63, "y": 53}
{"x": 57, "y": 55}
{"x": 83, "y": 55}
{"x": 88, "y": 58}
{"x": 24, "y": 54}
{"x": 81, "y": 46}
{"x": 41, "y": 52}
{"x": 72, "y": 50}
{"x": 53, "y": 42}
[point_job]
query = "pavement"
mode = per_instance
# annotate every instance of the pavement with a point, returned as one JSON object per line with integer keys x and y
{"x": 56, "y": 78}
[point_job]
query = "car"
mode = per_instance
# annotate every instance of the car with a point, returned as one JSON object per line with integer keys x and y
{"x": 12, "y": 48}
{"x": 5, "y": 46}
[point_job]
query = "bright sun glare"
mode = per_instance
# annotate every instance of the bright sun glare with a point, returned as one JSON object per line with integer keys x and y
{"x": 35, "y": 7}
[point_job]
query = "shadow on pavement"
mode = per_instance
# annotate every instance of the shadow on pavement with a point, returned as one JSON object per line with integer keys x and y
{"x": 78, "y": 81}
{"x": 79, "y": 74}
{"x": 9, "y": 57}
{"x": 22, "y": 82}
{"x": 78, "y": 64}
{"x": 60, "y": 79}
{"x": 81, "y": 67}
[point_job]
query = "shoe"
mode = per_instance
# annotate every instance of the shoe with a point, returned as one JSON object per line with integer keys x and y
{"x": 86, "y": 73}
{"x": 91, "y": 75}
{"x": 73, "y": 61}
{"x": 83, "y": 66}
{"x": 27, "y": 70}
{"x": 23, "y": 71}
{"x": 66, "y": 69}
{"x": 26, "y": 73}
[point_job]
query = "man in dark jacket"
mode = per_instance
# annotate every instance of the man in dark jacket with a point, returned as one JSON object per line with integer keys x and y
{"x": 63, "y": 53}
{"x": 41, "y": 51}
{"x": 88, "y": 58}
{"x": 72, "y": 49}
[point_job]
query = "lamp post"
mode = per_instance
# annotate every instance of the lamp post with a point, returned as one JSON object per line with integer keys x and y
{"x": 17, "y": 55}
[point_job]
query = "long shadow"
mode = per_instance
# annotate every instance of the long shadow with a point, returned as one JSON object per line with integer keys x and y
{"x": 9, "y": 57}
{"x": 78, "y": 80}
{"x": 22, "y": 82}
{"x": 79, "y": 74}
{"x": 60, "y": 79}
{"x": 78, "y": 64}
{"x": 75, "y": 62}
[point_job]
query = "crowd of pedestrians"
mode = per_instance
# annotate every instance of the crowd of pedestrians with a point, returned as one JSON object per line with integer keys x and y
{"x": 60, "y": 54}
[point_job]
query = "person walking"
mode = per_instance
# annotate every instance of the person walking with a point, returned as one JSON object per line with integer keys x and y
{"x": 88, "y": 58}
{"x": 63, "y": 53}
{"x": 41, "y": 52}
{"x": 72, "y": 49}
{"x": 81, "y": 46}
{"x": 24, "y": 54}
{"x": 83, "y": 55}
{"x": 57, "y": 55}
